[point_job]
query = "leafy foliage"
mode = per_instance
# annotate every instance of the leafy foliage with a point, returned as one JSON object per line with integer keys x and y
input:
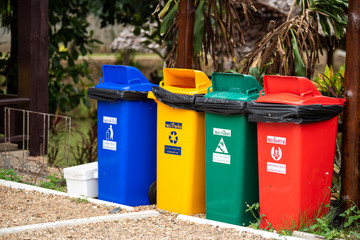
{"x": 331, "y": 83}
{"x": 8, "y": 61}
{"x": 54, "y": 183}
{"x": 68, "y": 41}
{"x": 85, "y": 151}
{"x": 330, "y": 14}
{"x": 348, "y": 230}
{"x": 137, "y": 13}
{"x": 9, "y": 175}
{"x": 216, "y": 28}
{"x": 293, "y": 47}
{"x": 258, "y": 73}
{"x": 321, "y": 225}
{"x": 254, "y": 209}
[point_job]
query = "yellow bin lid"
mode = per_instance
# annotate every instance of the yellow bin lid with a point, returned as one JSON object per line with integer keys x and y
{"x": 185, "y": 81}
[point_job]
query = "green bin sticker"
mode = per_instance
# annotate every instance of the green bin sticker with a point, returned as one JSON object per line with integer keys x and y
{"x": 221, "y": 153}
{"x": 222, "y": 132}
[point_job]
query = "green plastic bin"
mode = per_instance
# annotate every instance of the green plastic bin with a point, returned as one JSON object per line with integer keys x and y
{"x": 231, "y": 149}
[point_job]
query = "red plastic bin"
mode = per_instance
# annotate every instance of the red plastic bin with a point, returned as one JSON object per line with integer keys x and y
{"x": 295, "y": 160}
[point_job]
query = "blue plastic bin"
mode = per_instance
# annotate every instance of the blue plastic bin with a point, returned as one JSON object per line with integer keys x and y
{"x": 126, "y": 135}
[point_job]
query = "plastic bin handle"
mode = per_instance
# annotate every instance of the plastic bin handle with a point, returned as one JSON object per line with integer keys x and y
{"x": 161, "y": 84}
{"x": 210, "y": 89}
{"x": 307, "y": 94}
{"x": 134, "y": 81}
{"x": 252, "y": 90}
{"x": 261, "y": 93}
{"x": 202, "y": 84}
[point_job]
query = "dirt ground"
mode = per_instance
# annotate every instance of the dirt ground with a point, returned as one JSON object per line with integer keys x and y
{"x": 21, "y": 207}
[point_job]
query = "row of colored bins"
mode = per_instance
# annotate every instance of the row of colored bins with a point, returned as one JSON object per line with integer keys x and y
{"x": 286, "y": 158}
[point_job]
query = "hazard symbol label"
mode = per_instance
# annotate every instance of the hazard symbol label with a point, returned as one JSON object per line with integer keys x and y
{"x": 276, "y": 153}
{"x": 221, "y": 147}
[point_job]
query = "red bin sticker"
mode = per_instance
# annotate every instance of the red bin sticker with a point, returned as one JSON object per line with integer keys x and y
{"x": 276, "y": 168}
{"x": 276, "y": 140}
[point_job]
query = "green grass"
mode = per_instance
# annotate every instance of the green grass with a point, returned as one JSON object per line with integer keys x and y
{"x": 80, "y": 200}
{"x": 324, "y": 225}
{"x": 77, "y": 125}
{"x": 54, "y": 183}
{"x": 50, "y": 182}
{"x": 9, "y": 175}
{"x": 321, "y": 225}
{"x": 80, "y": 123}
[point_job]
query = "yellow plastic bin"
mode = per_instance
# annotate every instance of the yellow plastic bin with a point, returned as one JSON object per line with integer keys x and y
{"x": 180, "y": 141}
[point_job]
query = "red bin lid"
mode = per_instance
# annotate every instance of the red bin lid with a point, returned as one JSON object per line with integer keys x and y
{"x": 294, "y": 91}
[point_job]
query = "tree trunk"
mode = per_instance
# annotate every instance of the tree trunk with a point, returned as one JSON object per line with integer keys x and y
{"x": 350, "y": 166}
{"x": 185, "y": 49}
{"x": 33, "y": 64}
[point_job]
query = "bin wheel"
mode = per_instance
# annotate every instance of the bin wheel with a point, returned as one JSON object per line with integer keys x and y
{"x": 152, "y": 193}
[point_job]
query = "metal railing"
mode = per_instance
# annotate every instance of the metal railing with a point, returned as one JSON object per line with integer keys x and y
{"x": 53, "y": 139}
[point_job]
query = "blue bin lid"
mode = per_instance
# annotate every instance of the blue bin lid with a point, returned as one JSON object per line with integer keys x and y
{"x": 124, "y": 78}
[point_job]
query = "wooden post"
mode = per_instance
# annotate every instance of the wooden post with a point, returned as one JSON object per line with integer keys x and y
{"x": 350, "y": 166}
{"x": 33, "y": 33}
{"x": 185, "y": 47}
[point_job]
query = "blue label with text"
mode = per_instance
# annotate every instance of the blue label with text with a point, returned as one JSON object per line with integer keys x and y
{"x": 172, "y": 150}
{"x": 173, "y": 125}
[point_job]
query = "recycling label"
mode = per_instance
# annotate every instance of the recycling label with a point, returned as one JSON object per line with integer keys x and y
{"x": 173, "y": 138}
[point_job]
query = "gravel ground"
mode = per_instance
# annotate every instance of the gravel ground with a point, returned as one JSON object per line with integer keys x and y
{"x": 20, "y": 207}
{"x": 162, "y": 227}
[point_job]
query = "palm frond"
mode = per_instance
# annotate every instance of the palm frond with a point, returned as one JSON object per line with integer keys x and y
{"x": 221, "y": 32}
{"x": 296, "y": 44}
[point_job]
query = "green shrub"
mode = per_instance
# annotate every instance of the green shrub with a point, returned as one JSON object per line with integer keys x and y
{"x": 53, "y": 182}
{"x": 9, "y": 175}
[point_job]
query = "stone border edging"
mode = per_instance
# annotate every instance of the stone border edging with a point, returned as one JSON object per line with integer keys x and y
{"x": 49, "y": 191}
{"x": 79, "y": 221}
{"x": 264, "y": 234}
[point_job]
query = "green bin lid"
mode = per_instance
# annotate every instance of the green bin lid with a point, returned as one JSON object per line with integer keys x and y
{"x": 233, "y": 86}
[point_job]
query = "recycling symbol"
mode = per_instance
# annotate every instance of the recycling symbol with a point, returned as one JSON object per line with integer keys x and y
{"x": 173, "y": 138}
